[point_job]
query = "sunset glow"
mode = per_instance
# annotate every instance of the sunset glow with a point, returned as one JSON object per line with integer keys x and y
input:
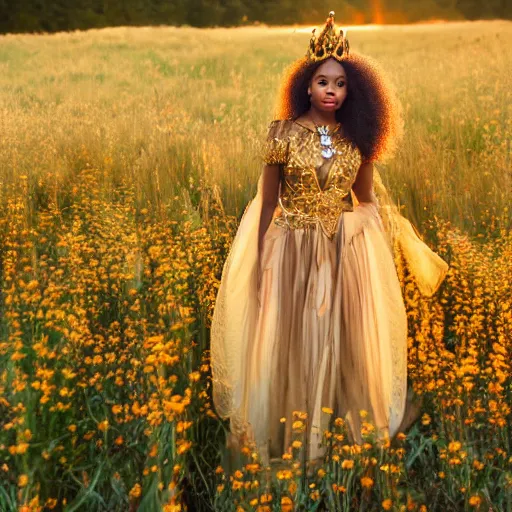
{"x": 377, "y": 13}
{"x": 345, "y": 27}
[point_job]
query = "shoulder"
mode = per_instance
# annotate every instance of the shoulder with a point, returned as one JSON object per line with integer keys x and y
{"x": 280, "y": 128}
{"x": 276, "y": 147}
{"x": 281, "y": 123}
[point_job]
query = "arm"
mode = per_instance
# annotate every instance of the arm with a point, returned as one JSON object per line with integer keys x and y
{"x": 363, "y": 186}
{"x": 270, "y": 191}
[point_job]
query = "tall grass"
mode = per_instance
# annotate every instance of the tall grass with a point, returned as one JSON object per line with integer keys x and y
{"x": 161, "y": 106}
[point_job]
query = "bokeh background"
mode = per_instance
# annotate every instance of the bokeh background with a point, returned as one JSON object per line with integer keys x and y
{"x": 57, "y": 15}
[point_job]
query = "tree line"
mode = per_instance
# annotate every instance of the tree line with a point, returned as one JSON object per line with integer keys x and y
{"x": 63, "y": 15}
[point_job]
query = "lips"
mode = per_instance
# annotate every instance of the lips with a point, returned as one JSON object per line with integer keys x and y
{"x": 329, "y": 103}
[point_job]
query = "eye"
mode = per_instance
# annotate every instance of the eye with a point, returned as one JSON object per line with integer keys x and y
{"x": 341, "y": 83}
{"x": 322, "y": 82}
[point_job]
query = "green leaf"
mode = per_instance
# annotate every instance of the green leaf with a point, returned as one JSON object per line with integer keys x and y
{"x": 77, "y": 503}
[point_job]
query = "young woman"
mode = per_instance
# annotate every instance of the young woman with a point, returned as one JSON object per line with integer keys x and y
{"x": 309, "y": 312}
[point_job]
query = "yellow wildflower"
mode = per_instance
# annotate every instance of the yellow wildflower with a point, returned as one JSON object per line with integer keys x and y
{"x": 367, "y": 482}
{"x": 286, "y": 504}
{"x": 387, "y": 504}
{"x": 475, "y": 501}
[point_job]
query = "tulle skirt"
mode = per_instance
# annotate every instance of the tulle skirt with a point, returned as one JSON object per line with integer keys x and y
{"x": 331, "y": 332}
{"x": 315, "y": 322}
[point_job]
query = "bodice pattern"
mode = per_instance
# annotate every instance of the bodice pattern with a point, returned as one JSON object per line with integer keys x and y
{"x": 314, "y": 190}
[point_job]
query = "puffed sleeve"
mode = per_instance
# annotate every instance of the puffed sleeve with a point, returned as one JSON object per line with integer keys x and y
{"x": 275, "y": 149}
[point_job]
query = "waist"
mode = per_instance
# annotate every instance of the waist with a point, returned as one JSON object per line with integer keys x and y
{"x": 302, "y": 212}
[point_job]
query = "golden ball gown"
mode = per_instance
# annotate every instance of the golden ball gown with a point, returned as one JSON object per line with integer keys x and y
{"x": 319, "y": 319}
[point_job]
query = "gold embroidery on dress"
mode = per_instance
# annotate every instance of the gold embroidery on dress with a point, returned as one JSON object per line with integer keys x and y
{"x": 304, "y": 199}
{"x": 275, "y": 152}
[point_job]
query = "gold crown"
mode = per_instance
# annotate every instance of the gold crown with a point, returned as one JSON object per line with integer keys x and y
{"x": 330, "y": 43}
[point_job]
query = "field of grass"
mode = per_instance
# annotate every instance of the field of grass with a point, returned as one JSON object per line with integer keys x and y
{"x": 126, "y": 157}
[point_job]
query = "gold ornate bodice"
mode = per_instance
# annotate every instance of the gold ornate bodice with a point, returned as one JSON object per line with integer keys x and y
{"x": 314, "y": 190}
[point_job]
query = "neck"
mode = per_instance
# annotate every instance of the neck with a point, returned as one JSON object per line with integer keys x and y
{"x": 322, "y": 118}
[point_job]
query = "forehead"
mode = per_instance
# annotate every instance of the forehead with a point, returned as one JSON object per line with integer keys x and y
{"x": 330, "y": 68}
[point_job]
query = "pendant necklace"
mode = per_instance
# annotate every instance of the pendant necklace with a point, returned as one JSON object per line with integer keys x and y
{"x": 328, "y": 149}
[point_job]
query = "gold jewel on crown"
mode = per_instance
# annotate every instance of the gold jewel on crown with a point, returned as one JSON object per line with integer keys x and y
{"x": 331, "y": 42}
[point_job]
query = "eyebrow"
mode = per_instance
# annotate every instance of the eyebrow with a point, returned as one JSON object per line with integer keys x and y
{"x": 323, "y": 76}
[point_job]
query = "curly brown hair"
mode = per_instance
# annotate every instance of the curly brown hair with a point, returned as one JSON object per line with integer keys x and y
{"x": 371, "y": 113}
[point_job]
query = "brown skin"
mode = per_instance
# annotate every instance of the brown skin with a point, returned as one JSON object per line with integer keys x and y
{"x": 270, "y": 194}
{"x": 370, "y": 114}
{"x": 327, "y": 91}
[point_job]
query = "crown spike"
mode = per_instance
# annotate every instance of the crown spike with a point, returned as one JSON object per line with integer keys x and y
{"x": 329, "y": 43}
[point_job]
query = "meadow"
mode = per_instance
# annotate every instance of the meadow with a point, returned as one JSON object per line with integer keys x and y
{"x": 127, "y": 157}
